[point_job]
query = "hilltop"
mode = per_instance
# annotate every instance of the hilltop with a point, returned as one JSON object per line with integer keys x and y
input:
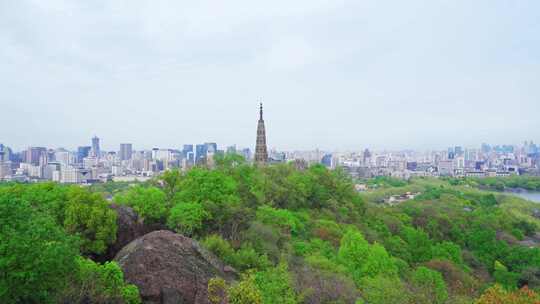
{"x": 269, "y": 234}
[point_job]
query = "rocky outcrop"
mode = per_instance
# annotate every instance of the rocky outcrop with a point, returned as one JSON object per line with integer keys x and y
{"x": 170, "y": 268}
{"x": 129, "y": 227}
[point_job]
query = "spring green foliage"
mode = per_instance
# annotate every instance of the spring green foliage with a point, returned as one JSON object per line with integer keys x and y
{"x": 281, "y": 218}
{"x": 187, "y": 218}
{"x": 275, "y": 285}
{"x": 88, "y": 215}
{"x": 39, "y": 258}
{"x": 504, "y": 277}
{"x": 101, "y": 284}
{"x": 449, "y": 251}
{"x": 245, "y": 258}
{"x": 525, "y": 182}
{"x": 272, "y": 285}
{"x": 36, "y": 255}
{"x": 429, "y": 286}
{"x": 418, "y": 244}
{"x": 294, "y": 235}
{"x": 385, "y": 182}
{"x": 382, "y": 290}
{"x": 364, "y": 260}
{"x": 245, "y": 292}
{"x": 149, "y": 202}
{"x": 77, "y": 210}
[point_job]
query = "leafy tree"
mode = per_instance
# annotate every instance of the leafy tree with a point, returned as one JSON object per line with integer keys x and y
{"x": 429, "y": 286}
{"x": 214, "y": 190}
{"x": 75, "y": 208}
{"x": 246, "y": 292}
{"x": 364, "y": 260}
{"x": 449, "y": 251}
{"x": 149, "y": 202}
{"x": 249, "y": 179}
{"x": 101, "y": 284}
{"x": 504, "y": 277}
{"x": 220, "y": 247}
{"x": 379, "y": 262}
{"x": 275, "y": 285}
{"x": 499, "y": 295}
{"x": 281, "y": 218}
{"x": 382, "y": 290}
{"x": 88, "y": 215}
{"x": 247, "y": 258}
{"x": 353, "y": 253}
{"x": 314, "y": 246}
{"x": 283, "y": 186}
{"x": 418, "y": 244}
{"x": 187, "y": 218}
{"x": 243, "y": 259}
{"x": 170, "y": 184}
{"x": 36, "y": 255}
{"x": 397, "y": 247}
{"x": 485, "y": 245}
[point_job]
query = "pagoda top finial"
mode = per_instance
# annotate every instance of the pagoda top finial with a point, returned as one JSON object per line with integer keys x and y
{"x": 261, "y": 111}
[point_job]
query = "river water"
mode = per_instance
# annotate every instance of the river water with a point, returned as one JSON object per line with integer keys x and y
{"x": 526, "y": 194}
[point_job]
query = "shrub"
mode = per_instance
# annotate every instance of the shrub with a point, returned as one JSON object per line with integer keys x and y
{"x": 36, "y": 255}
{"x": 149, "y": 202}
{"x": 101, "y": 284}
{"x": 245, "y": 292}
{"x": 187, "y": 218}
{"x": 428, "y": 286}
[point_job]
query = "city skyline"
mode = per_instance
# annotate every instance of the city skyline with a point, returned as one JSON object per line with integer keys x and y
{"x": 344, "y": 74}
{"x": 92, "y": 164}
{"x": 117, "y": 147}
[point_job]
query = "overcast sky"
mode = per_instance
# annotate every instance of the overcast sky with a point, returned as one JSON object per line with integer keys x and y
{"x": 332, "y": 74}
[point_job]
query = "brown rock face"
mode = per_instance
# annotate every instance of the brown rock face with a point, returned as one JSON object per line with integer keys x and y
{"x": 129, "y": 228}
{"x": 170, "y": 268}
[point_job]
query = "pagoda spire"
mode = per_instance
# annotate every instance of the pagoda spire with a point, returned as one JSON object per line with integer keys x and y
{"x": 261, "y": 153}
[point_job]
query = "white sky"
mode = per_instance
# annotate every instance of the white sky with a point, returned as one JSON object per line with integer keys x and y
{"x": 332, "y": 74}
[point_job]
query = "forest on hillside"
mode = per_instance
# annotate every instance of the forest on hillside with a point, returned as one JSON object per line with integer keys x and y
{"x": 293, "y": 235}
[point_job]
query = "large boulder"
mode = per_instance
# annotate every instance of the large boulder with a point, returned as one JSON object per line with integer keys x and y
{"x": 170, "y": 268}
{"x": 129, "y": 227}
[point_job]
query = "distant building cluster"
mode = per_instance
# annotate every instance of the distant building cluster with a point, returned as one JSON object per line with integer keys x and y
{"x": 90, "y": 164}
{"x": 486, "y": 161}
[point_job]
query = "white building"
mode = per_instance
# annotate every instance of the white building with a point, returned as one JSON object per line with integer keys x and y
{"x": 5, "y": 169}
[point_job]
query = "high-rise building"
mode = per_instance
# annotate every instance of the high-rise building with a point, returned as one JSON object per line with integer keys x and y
{"x": 187, "y": 148}
{"x": 96, "y": 151}
{"x": 261, "y": 153}
{"x": 83, "y": 152}
{"x": 187, "y": 151}
{"x": 200, "y": 154}
{"x": 246, "y": 153}
{"x": 63, "y": 157}
{"x": 211, "y": 147}
{"x": 126, "y": 151}
{"x": 5, "y": 153}
{"x": 34, "y": 155}
{"x": 327, "y": 161}
{"x": 5, "y": 168}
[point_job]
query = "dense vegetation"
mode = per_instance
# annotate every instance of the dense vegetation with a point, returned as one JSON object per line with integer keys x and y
{"x": 48, "y": 233}
{"x": 495, "y": 183}
{"x": 295, "y": 235}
